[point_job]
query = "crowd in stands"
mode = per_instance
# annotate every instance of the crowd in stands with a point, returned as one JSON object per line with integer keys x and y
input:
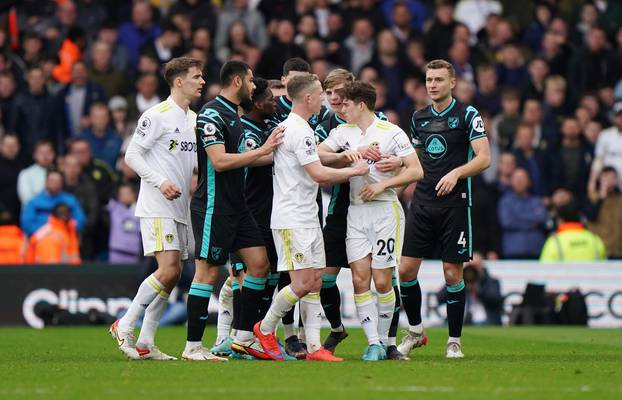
{"x": 75, "y": 75}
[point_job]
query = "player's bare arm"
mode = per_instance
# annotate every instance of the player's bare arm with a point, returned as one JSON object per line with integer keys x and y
{"x": 412, "y": 172}
{"x": 333, "y": 159}
{"x": 327, "y": 176}
{"x": 223, "y": 161}
{"x": 481, "y": 161}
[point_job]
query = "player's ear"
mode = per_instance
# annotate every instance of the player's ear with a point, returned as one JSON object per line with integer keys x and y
{"x": 452, "y": 82}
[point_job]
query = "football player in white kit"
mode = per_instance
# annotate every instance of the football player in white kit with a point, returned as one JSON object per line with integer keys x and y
{"x": 295, "y": 226}
{"x": 163, "y": 153}
{"x": 375, "y": 224}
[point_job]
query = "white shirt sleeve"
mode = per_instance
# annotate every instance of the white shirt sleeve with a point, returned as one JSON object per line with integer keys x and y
{"x": 305, "y": 149}
{"x": 401, "y": 144}
{"x": 333, "y": 140}
{"x": 144, "y": 137}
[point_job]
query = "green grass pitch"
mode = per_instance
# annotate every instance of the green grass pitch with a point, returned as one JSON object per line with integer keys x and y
{"x": 501, "y": 363}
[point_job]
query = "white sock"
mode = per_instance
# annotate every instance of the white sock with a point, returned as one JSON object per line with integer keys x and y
{"x": 288, "y": 330}
{"x": 311, "y": 314}
{"x": 368, "y": 316}
{"x": 243, "y": 336}
{"x": 147, "y": 291}
{"x": 282, "y": 303}
{"x": 192, "y": 345}
{"x": 453, "y": 340}
{"x": 340, "y": 328}
{"x": 392, "y": 341}
{"x": 153, "y": 313}
{"x": 225, "y": 311}
{"x": 416, "y": 328}
{"x": 386, "y": 306}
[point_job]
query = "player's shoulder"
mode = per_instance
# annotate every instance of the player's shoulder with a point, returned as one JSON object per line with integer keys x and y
{"x": 345, "y": 128}
{"x": 157, "y": 111}
{"x": 425, "y": 112}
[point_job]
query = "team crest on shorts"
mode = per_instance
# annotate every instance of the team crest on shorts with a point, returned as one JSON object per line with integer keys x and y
{"x": 299, "y": 257}
{"x": 452, "y": 122}
{"x": 216, "y": 252}
{"x": 169, "y": 238}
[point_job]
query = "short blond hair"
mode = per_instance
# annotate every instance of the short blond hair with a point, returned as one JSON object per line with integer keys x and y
{"x": 299, "y": 85}
{"x": 440, "y": 64}
{"x": 556, "y": 82}
{"x": 337, "y": 76}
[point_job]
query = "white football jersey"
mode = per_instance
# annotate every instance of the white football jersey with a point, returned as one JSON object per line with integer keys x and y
{"x": 167, "y": 134}
{"x": 294, "y": 203}
{"x": 388, "y": 137}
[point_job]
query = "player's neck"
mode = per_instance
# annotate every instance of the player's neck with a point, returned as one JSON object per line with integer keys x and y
{"x": 301, "y": 112}
{"x": 182, "y": 101}
{"x": 255, "y": 115}
{"x": 442, "y": 105}
{"x": 365, "y": 120}
{"x": 230, "y": 95}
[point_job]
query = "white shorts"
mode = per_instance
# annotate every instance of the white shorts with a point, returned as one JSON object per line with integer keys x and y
{"x": 375, "y": 228}
{"x": 160, "y": 234}
{"x": 299, "y": 248}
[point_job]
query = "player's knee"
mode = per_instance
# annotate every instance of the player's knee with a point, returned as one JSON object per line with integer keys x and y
{"x": 360, "y": 283}
{"x": 452, "y": 275}
{"x": 383, "y": 285}
{"x": 259, "y": 268}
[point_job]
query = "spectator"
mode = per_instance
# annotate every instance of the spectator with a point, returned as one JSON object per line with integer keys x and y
{"x": 532, "y": 115}
{"x": 439, "y": 32}
{"x": 55, "y": 242}
{"x": 554, "y": 109}
{"x": 488, "y": 96}
{"x": 7, "y": 96}
{"x": 80, "y": 186}
{"x": 10, "y": 165}
{"x": 119, "y": 55}
{"x": 32, "y": 46}
{"x": 238, "y": 10}
{"x": 593, "y": 65}
{"x": 459, "y": 56}
{"x": 282, "y": 49}
{"x": 167, "y": 45}
{"x": 407, "y": 19}
{"x": 542, "y": 15}
{"x": 606, "y": 221}
{"x": 359, "y": 47}
{"x": 609, "y": 147}
{"x": 505, "y": 124}
{"x": 31, "y": 180}
{"x": 556, "y": 52}
{"x": 70, "y": 52}
{"x": 511, "y": 70}
{"x": 484, "y": 302}
{"x": 521, "y": 217}
{"x": 103, "y": 73}
{"x": 506, "y": 168}
{"x": 134, "y": 34}
{"x": 238, "y": 43}
{"x": 572, "y": 242}
{"x": 571, "y": 161}
{"x": 474, "y": 13}
{"x": 12, "y": 240}
{"x": 75, "y": 100}
{"x": 32, "y": 114}
{"x": 36, "y": 212}
{"x": 390, "y": 65}
{"x": 486, "y": 225}
{"x": 538, "y": 70}
{"x": 145, "y": 97}
{"x": 531, "y": 159}
{"x": 307, "y": 29}
{"x": 104, "y": 141}
{"x": 125, "y": 244}
{"x": 121, "y": 122}
{"x": 105, "y": 180}
{"x": 464, "y": 91}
